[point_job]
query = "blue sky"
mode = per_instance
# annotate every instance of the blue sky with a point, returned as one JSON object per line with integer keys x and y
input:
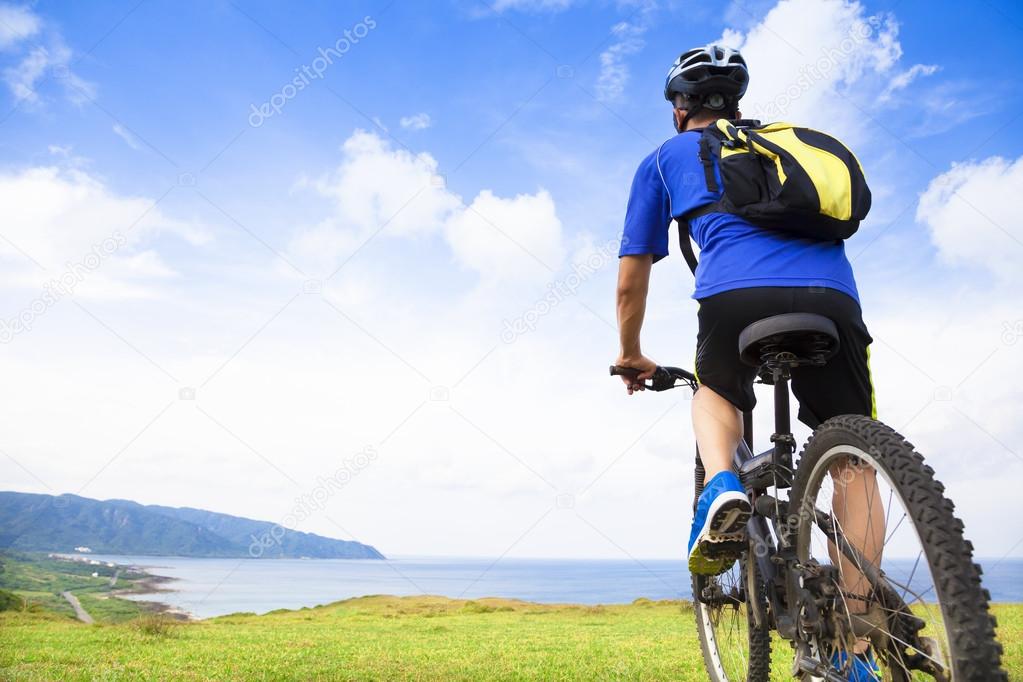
{"x": 322, "y": 277}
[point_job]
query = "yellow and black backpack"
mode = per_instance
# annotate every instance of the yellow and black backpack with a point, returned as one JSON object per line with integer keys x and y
{"x": 781, "y": 177}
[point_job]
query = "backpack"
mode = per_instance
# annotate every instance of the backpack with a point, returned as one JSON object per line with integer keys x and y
{"x": 781, "y": 177}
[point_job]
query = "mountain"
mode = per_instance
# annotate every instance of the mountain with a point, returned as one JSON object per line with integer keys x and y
{"x": 32, "y": 522}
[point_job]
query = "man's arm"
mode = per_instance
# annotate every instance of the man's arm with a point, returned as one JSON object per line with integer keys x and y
{"x": 633, "y": 284}
{"x": 644, "y": 240}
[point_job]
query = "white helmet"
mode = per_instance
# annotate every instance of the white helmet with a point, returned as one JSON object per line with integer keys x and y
{"x": 708, "y": 70}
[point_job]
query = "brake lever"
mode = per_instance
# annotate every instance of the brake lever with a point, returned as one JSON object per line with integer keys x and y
{"x": 662, "y": 380}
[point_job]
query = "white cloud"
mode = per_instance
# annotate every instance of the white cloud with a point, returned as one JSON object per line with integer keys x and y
{"x": 902, "y": 80}
{"x": 420, "y": 121}
{"x": 969, "y": 219}
{"x": 811, "y": 60}
{"x": 52, "y": 59}
{"x": 377, "y": 185}
{"x": 16, "y": 24}
{"x": 56, "y": 216}
{"x": 614, "y": 71}
{"x": 126, "y": 135}
{"x": 21, "y": 79}
{"x": 500, "y": 237}
{"x": 378, "y": 190}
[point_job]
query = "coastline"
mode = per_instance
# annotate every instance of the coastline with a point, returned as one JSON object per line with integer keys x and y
{"x": 151, "y": 584}
{"x": 199, "y": 589}
{"x": 142, "y": 582}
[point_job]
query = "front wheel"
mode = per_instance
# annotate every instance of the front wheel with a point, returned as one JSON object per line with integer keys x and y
{"x": 736, "y": 647}
{"x": 887, "y": 556}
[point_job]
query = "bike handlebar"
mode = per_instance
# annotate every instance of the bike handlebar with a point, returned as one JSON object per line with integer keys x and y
{"x": 664, "y": 378}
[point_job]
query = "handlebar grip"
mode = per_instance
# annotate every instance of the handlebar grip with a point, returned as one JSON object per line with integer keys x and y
{"x": 662, "y": 379}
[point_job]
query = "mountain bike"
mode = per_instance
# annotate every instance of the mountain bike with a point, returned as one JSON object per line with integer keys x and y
{"x": 903, "y": 582}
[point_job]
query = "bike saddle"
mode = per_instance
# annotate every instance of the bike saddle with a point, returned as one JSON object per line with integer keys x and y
{"x": 807, "y": 338}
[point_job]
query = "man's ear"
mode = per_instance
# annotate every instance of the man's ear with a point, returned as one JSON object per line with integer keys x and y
{"x": 738, "y": 114}
{"x": 680, "y": 115}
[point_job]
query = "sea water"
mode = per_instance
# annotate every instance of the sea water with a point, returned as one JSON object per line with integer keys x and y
{"x": 214, "y": 587}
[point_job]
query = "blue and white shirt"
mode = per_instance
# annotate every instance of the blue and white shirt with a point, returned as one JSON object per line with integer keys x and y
{"x": 734, "y": 254}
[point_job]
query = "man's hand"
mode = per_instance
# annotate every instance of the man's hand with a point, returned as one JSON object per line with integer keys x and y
{"x": 646, "y": 368}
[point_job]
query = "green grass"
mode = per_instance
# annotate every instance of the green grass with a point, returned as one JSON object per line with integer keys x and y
{"x": 28, "y": 573}
{"x": 38, "y": 581}
{"x": 375, "y": 638}
{"x": 371, "y": 638}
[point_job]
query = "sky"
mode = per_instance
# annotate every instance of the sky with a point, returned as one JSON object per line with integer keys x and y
{"x": 349, "y": 267}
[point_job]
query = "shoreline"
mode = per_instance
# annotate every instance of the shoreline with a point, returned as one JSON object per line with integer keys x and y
{"x": 145, "y": 583}
{"x": 151, "y": 584}
{"x": 146, "y": 588}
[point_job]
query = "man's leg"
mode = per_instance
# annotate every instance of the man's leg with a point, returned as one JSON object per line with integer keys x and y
{"x": 726, "y": 387}
{"x": 858, "y": 508}
{"x": 718, "y": 427}
{"x": 723, "y": 508}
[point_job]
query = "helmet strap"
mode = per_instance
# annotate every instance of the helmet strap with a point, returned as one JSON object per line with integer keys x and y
{"x": 693, "y": 106}
{"x": 689, "y": 114}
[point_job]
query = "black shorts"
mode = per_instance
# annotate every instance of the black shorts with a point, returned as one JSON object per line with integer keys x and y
{"x": 842, "y": 386}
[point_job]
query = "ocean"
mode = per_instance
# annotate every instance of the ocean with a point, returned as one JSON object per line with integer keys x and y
{"x": 215, "y": 587}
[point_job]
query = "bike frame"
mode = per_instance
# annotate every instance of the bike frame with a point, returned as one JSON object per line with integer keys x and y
{"x": 792, "y": 587}
{"x": 775, "y": 562}
{"x": 772, "y": 467}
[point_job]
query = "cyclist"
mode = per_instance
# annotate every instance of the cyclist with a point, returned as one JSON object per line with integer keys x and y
{"x": 746, "y": 273}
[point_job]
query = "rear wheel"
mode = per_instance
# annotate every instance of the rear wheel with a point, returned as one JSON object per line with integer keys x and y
{"x": 902, "y": 575}
{"x": 736, "y": 648}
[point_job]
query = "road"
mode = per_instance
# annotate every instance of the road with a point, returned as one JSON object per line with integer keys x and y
{"x": 80, "y": 612}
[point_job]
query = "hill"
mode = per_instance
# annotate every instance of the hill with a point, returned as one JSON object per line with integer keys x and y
{"x": 33, "y": 522}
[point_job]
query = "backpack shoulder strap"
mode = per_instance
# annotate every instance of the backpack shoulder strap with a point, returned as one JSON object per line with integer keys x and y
{"x": 685, "y": 242}
{"x": 707, "y": 159}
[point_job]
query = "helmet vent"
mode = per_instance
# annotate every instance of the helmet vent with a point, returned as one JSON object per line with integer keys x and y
{"x": 706, "y": 70}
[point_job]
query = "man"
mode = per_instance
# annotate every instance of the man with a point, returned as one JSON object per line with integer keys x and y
{"x": 746, "y": 273}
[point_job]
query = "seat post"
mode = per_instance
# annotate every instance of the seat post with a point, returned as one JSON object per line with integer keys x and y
{"x": 782, "y": 438}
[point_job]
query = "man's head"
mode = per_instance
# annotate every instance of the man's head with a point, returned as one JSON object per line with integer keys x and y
{"x": 705, "y": 84}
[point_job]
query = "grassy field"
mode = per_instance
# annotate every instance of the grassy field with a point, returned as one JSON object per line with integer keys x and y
{"x": 39, "y": 580}
{"x": 371, "y": 638}
{"x": 386, "y": 638}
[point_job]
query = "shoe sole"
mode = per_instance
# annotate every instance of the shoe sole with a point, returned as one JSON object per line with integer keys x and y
{"x": 723, "y": 536}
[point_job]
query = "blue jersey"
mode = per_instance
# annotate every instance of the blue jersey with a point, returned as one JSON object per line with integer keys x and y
{"x": 734, "y": 254}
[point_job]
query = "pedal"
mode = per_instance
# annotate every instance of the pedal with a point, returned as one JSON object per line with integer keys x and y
{"x": 729, "y": 545}
{"x": 716, "y": 538}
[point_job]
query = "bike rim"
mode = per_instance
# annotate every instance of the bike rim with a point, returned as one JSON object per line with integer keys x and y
{"x": 726, "y": 627}
{"x": 904, "y": 560}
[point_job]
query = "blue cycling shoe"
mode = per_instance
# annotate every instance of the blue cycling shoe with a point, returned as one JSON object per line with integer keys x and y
{"x": 862, "y": 668}
{"x": 719, "y": 528}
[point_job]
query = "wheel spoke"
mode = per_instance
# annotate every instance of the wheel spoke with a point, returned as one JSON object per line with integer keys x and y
{"x": 857, "y": 560}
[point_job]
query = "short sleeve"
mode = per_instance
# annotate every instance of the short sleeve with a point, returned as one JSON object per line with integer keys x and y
{"x": 648, "y": 214}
